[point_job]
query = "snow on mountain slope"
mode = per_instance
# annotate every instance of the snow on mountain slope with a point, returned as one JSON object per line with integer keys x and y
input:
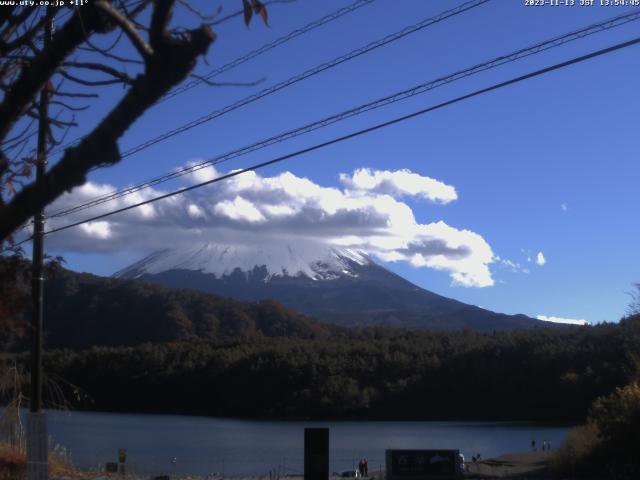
{"x": 316, "y": 261}
{"x": 331, "y": 284}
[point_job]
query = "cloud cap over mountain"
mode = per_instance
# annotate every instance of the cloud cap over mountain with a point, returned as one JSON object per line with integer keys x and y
{"x": 369, "y": 212}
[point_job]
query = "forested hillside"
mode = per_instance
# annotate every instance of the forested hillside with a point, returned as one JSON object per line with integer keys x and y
{"x": 83, "y": 310}
{"x": 132, "y": 346}
{"x": 538, "y": 374}
{"x": 340, "y": 287}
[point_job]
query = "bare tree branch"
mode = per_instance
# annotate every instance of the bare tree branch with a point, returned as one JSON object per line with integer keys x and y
{"x": 93, "y": 83}
{"x": 240, "y": 12}
{"x": 205, "y": 18}
{"x": 172, "y": 59}
{"x": 168, "y": 54}
{"x": 128, "y": 27}
{"x": 14, "y": 21}
{"x": 67, "y": 106}
{"x": 21, "y": 40}
{"x": 75, "y": 95}
{"x": 122, "y": 76}
{"x": 40, "y": 70}
{"x": 54, "y": 121}
{"x": 108, "y": 54}
{"x": 18, "y": 135}
{"x": 160, "y": 18}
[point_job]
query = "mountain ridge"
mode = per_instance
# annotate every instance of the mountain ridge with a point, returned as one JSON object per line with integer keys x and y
{"x": 221, "y": 259}
{"x": 340, "y": 286}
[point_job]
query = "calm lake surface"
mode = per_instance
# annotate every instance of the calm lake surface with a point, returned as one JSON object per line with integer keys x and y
{"x": 203, "y": 445}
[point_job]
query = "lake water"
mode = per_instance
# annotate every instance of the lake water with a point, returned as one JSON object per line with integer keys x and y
{"x": 204, "y": 446}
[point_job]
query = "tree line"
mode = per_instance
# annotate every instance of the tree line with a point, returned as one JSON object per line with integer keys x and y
{"x": 368, "y": 373}
{"x": 82, "y": 310}
{"x": 133, "y": 346}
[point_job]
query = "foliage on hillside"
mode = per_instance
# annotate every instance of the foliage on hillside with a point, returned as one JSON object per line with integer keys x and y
{"x": 182, "y": 351}
{"x": 83, "y": 310}
{"x": 14, "y": 278}
{"x": 607, "y": 446}
{"x": 538, "y": 374}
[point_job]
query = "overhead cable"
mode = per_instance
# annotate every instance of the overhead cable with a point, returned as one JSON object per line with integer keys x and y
{"x": 250, "y": 55}
{"x": 359, "y": 133}
{"x": 396, "y": 97}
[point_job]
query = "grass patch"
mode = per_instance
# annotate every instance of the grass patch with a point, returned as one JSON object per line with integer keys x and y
{"x": 13, "y": 463}
{"x": 579, "y": 455}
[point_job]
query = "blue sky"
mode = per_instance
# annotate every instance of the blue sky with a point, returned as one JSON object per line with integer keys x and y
{"x": 549, "y": 165}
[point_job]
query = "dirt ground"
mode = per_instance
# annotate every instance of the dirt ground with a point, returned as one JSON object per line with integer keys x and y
{"x": 515, "y": 465}
{"x": 529, "y": 465}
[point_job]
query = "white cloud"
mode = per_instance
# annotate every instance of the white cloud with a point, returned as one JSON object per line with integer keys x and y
{"x": 515, "y": 267}
{"x": 564, "y": 207}
{"x": 250, "y": 209}
{"x": 506, "y": 262}
{"x": 570, "y": 321}
{"x": 540, "y": 260}
{"x": 442, "y": 247}
{"x": 199, "y": 173}
{"x": 239, "y": 209}
{"x": 97, "y": 230}
{"x": 399, "y": 182}
{"x": 194, "y": 211}
{"x": 147, "y": 211}
{"x": 276, "y": 210}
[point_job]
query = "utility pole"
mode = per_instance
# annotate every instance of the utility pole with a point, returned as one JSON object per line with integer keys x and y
{"x": 37, "y": 454}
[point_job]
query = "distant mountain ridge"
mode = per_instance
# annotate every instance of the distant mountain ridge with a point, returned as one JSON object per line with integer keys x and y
{"x": 312, "y": 261}
{"x": 340, "y": 286}
{"x": 83, "y": 310}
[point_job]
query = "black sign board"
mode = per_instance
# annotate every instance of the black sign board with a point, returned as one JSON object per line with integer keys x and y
{"x": 423, "y": 464}
{"x": 111, "y": 467}
{"x": 316, "y": 453}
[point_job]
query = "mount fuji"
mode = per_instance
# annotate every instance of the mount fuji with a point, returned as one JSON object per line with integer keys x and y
{"x": 340, "y": 286}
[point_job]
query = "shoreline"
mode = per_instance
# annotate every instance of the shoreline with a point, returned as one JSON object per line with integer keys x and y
{"x": 518, "y": 465}
{"x": 532, "y": 465}
{"x": 268, "y": 419}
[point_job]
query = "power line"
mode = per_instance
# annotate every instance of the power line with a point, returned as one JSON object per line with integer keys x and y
{"x": 418, "y": 89}
{"x": 318, "y": 146}
{"x": 308, "y": 73}
{"x": 303, "y": 76}
{"x": 268, "y": 46}
{"x": 364, "y": 131}
{"x": 251, "y": 55}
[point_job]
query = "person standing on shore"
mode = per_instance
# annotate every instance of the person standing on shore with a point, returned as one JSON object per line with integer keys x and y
{"x": 365, "y": 467}
{"x": 533, "y": 445}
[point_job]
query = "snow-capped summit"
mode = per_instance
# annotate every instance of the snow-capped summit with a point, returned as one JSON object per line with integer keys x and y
{"x": 336, "y": 285}
{"x": 315, "y": 261}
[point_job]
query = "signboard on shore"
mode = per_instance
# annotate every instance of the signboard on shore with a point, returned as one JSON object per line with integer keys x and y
{"x": 316, "y": 454}
{"x": 422, "y": 464}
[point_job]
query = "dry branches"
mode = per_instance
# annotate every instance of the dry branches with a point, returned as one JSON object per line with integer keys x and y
{"x": 73, "y": 67}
